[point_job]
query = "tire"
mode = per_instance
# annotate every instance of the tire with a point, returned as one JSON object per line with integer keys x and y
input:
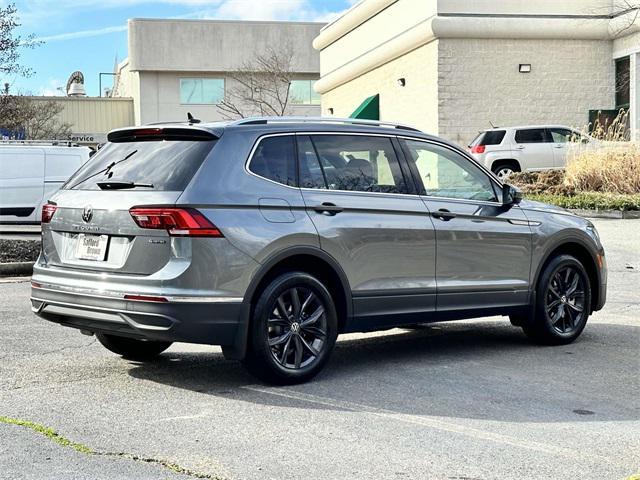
{"x": 563, "y": 303}
{"x": 293, "y": 330}
{"x": 503, "y": 169}
{"x": 132, "y": 349}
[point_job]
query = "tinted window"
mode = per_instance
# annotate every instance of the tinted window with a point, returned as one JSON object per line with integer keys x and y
{"x": 275, "y": 159}
{"x": 311, "y": 175}
{"x": 301, "y": 92}
{"x": 490, "y": 137}
{"x": 201, "y": 91}
{"x": 534, "y": 135}
{"x": 445, "y": 173}
{"x": 166, "y": 164}
{"x": 359, "y": 163}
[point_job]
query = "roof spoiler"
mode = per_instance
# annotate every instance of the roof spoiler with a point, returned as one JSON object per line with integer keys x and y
{"x": 142, "y": 134}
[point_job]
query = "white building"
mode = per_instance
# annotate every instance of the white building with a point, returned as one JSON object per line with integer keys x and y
{"x": 180, "y": 66}
{"x": 454, "y": 67}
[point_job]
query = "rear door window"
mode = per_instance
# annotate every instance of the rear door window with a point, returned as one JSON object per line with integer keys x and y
{"x": 274, "y": 159}
{"x": 532, "y": 135}
{"x": 358, "y": 163}
{"x": 168, "y": 165}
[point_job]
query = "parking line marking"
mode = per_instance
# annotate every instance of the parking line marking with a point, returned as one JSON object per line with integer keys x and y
{"x": 429, "y": 422}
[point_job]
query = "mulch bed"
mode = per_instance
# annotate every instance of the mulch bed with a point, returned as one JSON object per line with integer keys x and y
{"x": 19, "y": 250}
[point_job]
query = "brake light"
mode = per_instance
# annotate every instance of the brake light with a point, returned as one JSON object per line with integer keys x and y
{"x": 48, "y": 209}
{"x": 179, "y": 222}
{"x": 478, "y": 149}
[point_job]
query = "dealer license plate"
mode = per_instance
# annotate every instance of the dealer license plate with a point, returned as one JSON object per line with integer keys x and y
{"x": 92, "y": 247}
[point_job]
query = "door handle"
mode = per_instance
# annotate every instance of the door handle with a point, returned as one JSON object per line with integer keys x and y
{"x": 520, "y": 147}
{"x": 558, "y": 146}
{"x": 443, "y": 214}
{"x": 328, "y": 208}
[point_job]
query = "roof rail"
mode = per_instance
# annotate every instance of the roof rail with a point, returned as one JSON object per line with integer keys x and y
{"x": 349, "y": 121}
{"x": 55, "y": 143}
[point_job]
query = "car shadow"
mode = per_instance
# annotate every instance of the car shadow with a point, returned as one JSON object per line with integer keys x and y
{"x": 482, "y": 369}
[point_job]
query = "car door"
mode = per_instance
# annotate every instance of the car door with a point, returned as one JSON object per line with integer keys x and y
{"x": 21, "y": 183}
{"x": 561, "y": 138}
{"x": 533, "y": 146}
{"x": 483, "y": 248}
{"x": 371, "y": 221}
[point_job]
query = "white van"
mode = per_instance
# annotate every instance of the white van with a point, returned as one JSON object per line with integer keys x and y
{"x": 30, "y": 173}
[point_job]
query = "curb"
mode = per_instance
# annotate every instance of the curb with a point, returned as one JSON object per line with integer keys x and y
{"x": 13, "y": 269}
{"x": 616, "y": 214}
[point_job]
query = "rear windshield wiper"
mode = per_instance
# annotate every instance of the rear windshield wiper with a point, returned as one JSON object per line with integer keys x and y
{"x": 105, "y": 170}
{"x": 122, "y": 185}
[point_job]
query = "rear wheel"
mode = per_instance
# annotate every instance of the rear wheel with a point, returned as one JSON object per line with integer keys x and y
{"x": 563, "y": 299}
{"x": 131, "y": 348}
{"x": 503, "y": 169}
{"x": 293, "y": 330}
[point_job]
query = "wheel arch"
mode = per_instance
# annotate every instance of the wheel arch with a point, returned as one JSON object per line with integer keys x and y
{"x": 504, "y": 161}
{"x": 311, "y": 260}
{"x": 578, "y": 249}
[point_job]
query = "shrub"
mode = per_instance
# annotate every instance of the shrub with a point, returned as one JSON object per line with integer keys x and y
{"x": 590, "y": 200}
{"x": 607, "y": 169}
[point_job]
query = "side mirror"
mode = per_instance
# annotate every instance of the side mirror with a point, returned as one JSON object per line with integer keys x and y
{"x": 511, "y": 195}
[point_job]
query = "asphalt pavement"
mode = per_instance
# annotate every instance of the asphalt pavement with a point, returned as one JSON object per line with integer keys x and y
{"x": 470, "y": 400}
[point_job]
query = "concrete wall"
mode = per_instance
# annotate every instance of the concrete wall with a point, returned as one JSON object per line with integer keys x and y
{"x": 160, "y": 98}
{"x": 479, "y": 82}
{"x": 398, "y": 17}
{"x": 215, "y": 46}
{"x": 527, "y": 7}
{"x": 416, "y": 103}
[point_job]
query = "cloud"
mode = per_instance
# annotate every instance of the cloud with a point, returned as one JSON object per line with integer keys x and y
{"x": 81, "y": 34}
{"x": 51, "y": 89}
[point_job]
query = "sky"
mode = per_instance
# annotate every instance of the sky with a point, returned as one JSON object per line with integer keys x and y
{"x": 91, "y": 35}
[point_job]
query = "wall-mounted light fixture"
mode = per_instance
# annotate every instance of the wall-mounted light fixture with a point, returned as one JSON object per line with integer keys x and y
{"x": 330, "y": 110}
{"x": 524, "y": 68}
{"x": 402, "y": 82}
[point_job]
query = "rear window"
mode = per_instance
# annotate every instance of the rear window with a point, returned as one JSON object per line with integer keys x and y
{"x": 168, "y": 165}
{"x": 492, "y": 137}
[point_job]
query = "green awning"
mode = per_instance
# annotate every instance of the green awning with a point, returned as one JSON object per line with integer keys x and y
{"x": 369, "y": 109}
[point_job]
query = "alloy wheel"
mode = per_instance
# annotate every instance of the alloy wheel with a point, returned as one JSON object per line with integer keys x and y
{"x": 565, "y": 300}
{"x": 504, "y": 173}
{"x": 297, "y": 328}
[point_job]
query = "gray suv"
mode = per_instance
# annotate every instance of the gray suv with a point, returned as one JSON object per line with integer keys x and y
{"x": 271, "y": 236}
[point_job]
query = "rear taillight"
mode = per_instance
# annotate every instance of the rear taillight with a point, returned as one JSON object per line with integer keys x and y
{"x": 48, "y": 210}
{"x": 478, "y": 149}
{"x": 179, "y": 222}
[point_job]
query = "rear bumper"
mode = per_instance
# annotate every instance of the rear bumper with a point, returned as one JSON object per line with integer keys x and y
{"x": 212, "y": 321}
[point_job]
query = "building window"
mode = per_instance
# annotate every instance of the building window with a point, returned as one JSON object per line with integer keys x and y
{"x": 623, "y": 82}
{"x": 201, "y": 91}
{"x": 301, "y": 93}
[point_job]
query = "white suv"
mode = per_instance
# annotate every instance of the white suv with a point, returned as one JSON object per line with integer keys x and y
{"x": 515, "y": 149}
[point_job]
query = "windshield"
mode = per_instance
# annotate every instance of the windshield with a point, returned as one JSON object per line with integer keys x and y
{"x": 168, "y": 165}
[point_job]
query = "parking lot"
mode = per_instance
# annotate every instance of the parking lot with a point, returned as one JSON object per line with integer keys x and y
{"x": 461, "y": 400}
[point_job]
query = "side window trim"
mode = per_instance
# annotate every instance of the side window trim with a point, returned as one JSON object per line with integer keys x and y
{"x": 247, "y": 165}
{"x": 497, "y": 188}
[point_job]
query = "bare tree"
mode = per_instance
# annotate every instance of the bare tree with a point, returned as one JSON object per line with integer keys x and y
{"x": 10, "y": 43}
{"x": 262, "y": 86}
{"x": 33, "y": 118}
{"x": 625, "y": 14}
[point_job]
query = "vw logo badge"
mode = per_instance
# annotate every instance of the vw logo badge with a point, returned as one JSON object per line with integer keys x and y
{"x": 87, "y": 214}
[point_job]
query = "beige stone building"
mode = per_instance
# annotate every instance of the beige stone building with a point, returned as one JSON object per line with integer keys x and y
{"x": 454, "y": 67}
{"x": 180, "y": 66}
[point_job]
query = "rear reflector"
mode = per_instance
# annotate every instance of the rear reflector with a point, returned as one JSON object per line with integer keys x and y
{"x": 478, "y": 149}
{"x": 35, "y": 284}
{"x": 145, "y": 298}
{"x": 179, "y": 222}
{"x": 48, "y": 209}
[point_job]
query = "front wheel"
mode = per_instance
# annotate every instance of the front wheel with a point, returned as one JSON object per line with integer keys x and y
{"x": 131, "y": 348}
{"x": 293, "y": 330}
{"x": 563, "y": 300}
